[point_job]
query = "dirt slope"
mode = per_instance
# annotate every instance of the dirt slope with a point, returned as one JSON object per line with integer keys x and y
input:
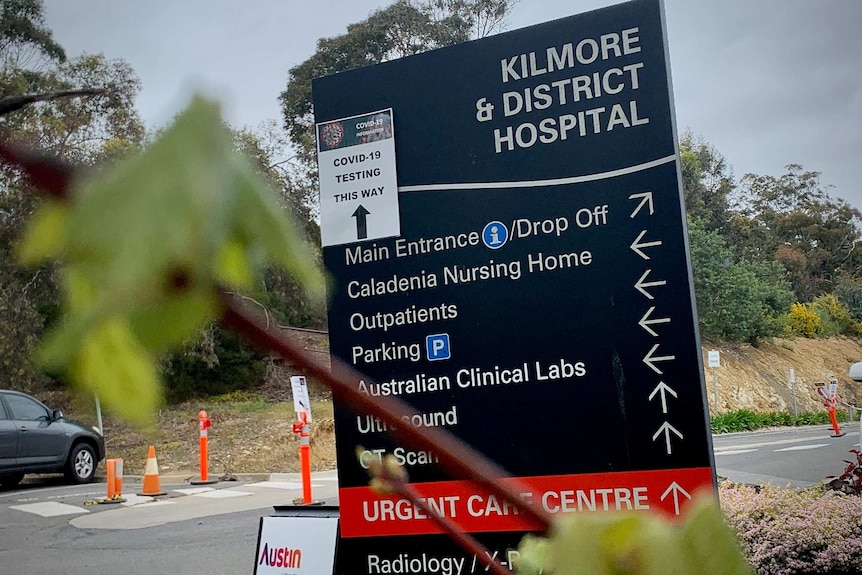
{"x": 757, "y": 378}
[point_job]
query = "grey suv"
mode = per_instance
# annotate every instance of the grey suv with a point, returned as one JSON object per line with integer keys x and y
{"x": 35, "y": 439}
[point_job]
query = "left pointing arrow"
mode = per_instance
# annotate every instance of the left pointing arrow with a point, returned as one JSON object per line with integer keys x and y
{"x": 361, "y": 227}
{"x": 637, "y": 245}
{"x": 651, "y": 359}
{"x": 646, "y": 321}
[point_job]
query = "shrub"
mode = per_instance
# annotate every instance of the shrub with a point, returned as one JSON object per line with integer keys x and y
{"x": 787, "y": 532}
{"x": 803, "y": 321}
{"x": 835, "y": 318}
{"x": 747, "y": 420}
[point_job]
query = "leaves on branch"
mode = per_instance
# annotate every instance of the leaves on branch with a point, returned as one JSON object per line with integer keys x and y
{"x": 147, "y": 245}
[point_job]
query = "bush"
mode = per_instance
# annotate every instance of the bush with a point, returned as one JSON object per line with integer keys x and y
{"x": 835, "y": 318}
{"x": 787, "y": 532}
{"x": 747, "y": 420}
{"x": 803, "y": 321}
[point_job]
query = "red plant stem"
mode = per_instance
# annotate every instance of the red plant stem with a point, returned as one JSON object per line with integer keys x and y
{"x": 456, "y": 457}
{"x": 466, "y": 541}
{"x": 50, "y": 175}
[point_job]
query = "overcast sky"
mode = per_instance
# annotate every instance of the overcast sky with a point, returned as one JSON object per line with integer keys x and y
{"x": 767, "y": 82}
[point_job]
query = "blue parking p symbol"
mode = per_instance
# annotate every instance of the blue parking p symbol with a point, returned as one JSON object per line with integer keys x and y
{"x": 437, "y": 346}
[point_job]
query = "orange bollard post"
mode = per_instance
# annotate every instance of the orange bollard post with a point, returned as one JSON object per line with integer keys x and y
{"x": 111, "y": 467}
{"x": 118, "y": 477}
{"x": 834, "y": 419}
{"x": 302, "y": 428}
{"x": 204, "y": 424}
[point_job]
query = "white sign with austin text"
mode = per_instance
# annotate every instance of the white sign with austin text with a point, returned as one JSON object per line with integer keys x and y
{"x": 296, "y": 546}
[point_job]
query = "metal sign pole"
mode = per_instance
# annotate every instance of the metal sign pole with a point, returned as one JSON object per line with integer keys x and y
{"x": 793, "y": 392}
{"x": 714, "y": 390}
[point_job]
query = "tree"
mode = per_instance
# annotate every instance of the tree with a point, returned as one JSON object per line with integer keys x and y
{"x": 794, "y": 220}
{"x": 25, "y": 41}
{"x": 34, "y": 72}
{"x": 707, "y": 181}
{"x": 740, "y": 301}
{"x": 405, "y": 28}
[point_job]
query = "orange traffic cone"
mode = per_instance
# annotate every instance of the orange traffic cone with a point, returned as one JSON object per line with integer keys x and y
{"x": 152, "y": 487}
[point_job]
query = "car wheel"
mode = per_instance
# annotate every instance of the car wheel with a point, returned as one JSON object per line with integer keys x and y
{"x": 81, "y": 466}
{"x": 9, "y": 481}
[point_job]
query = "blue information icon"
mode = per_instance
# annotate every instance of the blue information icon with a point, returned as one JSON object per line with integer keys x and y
{"x": 437, "y": 346}
{"x": 495, "y": 235}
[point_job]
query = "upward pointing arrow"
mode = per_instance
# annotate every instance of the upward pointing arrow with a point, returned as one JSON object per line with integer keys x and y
{"x": 361, "y": 228}
{"x": 676, "y": 490}
{"x": 663, "y": 389}
{"x": 646, "y": 200}
{"x": 636, "y": 245}
{"x": 667, "y": 429}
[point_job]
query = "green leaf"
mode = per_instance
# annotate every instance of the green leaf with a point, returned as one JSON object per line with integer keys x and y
{"x": 635, "y": 543}
{"x": 147, "y": 245}
{"x": 709, "y": 545}
{"x": 44, "y": 236}
{"x": 113, "y": 364}
{"x": 172, "y": 323}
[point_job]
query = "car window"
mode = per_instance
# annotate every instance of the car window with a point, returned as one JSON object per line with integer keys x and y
{"x": 2, "y": 411}
{"x": 25, "y": 408}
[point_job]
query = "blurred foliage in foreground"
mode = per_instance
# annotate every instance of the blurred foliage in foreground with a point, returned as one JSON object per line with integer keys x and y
{"x": 637, "y": 544}
{"x": 146, "y": 245}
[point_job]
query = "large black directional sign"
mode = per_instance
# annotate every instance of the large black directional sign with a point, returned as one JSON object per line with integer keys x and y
{"x": 538, "y": 300}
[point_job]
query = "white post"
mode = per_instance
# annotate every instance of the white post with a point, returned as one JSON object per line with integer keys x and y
{"x": 99, "y": 413}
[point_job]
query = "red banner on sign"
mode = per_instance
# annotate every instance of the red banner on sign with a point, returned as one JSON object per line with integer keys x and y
{"x": 364, "y": 513}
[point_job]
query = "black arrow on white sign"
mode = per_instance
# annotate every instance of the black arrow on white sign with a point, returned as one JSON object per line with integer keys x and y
{"x": 361, "y": 228}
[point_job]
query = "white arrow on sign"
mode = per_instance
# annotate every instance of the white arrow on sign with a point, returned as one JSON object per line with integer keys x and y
{"x": 636, "y": 245}
{"x": 646, "y": 201}
{"x": 663, "y": 389}
{"x": 641, "y": 285}
{"x": 667, "y": 429}
{"x": 645, "y": 322}
{"x": 676, "y": 490}
{"x": 649, "y": 359}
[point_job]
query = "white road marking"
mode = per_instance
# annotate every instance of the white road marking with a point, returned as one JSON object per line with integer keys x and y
{"x": 155, "y": 503}
{"x": 734, "y": 451}
{"x": 222, "y": 494}
{"x": 133, "y": 499}
{"x": 49, "y": 509}
{"x": 277, "y": 484}
{"x": 194, "y": 490}
{"x": 803, "y": 447}
{"x": 777, "y": 442}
